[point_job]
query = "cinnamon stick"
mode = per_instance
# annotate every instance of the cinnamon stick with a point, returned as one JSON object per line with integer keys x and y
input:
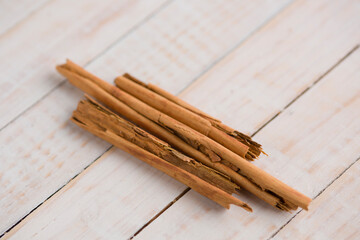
{"x": 250, "y": 177}
{"x": 111, "y": 122}
{"x": 190, "y": 136}
{"x": 173, "y": 106}
{"x": 93, "y": 89}
{"x": 181, "y": 114}
{"x": 215, "y": 151}
{"x": 119, "y": 132}
{"x": 170, "y": 97}
{"x": 185, "y": 113}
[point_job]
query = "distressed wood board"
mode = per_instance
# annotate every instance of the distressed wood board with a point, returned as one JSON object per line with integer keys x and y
{"x": 286, "y": 71}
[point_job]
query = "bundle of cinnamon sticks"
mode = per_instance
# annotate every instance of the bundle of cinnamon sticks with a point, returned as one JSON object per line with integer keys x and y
{"x": 177, "y": 138}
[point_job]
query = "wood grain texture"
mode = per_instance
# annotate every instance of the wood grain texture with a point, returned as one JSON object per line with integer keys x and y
{"x": 189, "y": 37}
{"x": 310, "y": 144}
{"x": 35, "y": 148}
{"x": 205, "y": 211}
{"x": 82, "y": 36}
{"x": 79, "y": 30}
{"x": 51, "y": 150}
{"x": 335, "y": 212}
{"x": 36, "y": 160}
{"x": 109, "y": 193}
{"x": 13, "y": 12}
{"x": 288, "y": 55}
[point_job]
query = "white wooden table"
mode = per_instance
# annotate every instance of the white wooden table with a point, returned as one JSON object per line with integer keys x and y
{"x": 287, "y": 72}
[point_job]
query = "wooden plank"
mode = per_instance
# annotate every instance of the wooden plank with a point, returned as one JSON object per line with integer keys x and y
{"x": 173, "y": 42}
{"x": 48, "y": 139}
{"x": 264, "y": 74}
{"x": 173, "y": 49}
{"x": 32, "y": 161}
{"x": 203, "y": 212}
{"x": 340, "y": 201}
{"x": 310, "y": 144}
{"x": 335, "y": 212}
{"x": 75, "y": 29}
{"x": 14, "y": 11}
{"x": 111, "y": 192}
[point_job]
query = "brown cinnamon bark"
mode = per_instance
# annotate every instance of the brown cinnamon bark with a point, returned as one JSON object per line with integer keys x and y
{"x": 89, "y": 109}
{"x": 181, "y": 114}
{"x": 173, "y": 106}
{"x": 170, "y": 97}
{"x": 249, "y": 177}
{"x": 105, "y": 124}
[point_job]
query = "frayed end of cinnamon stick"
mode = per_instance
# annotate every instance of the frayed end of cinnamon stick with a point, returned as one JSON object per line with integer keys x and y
{"x": 255, "y": 149}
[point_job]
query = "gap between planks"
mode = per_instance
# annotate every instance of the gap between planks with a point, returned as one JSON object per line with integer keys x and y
{"x": 317, "y": 195}
{"x": 108, "y": 150}
{"x": 161, "y": 212}
{"x": 236, "y": 46}
{"x": 257, "y": 131}
{"x": 308, "y": 88}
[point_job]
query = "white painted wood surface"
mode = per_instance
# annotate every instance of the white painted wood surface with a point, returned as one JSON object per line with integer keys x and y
{"x": 316, "y": 139}
{"x": 13, "y": 12}
{"x": 109, "y": 193}
{"x": 79, "y": 30}
{"x": 270, "y": 63}
{"x": 334, "y": 213}
{"x": 263, "y": 75}
{"x": 43, "y": 160}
